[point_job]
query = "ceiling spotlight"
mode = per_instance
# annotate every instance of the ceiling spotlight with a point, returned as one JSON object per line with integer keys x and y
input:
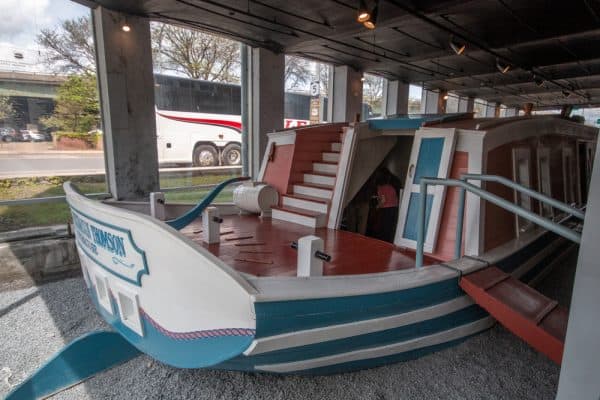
{"x": 362, "y": 14}
{"x": 504, "y": 68}
{"x": 362, "y": 78}
{"x": 566, "y": 93}
{"x": 445, "y": 97}
{"x": 370, "y": 23}
{"x": 538, "y": 81}
{"x": 126, "y": 28}
{"x": 459, "y": 48}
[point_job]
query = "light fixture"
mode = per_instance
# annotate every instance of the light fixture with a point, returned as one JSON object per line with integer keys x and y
{"x": 459, "y": 48}
{"x": 371, "y": 22}
{"x": 362, "y": 14}
{"x": 445, "y": 96}
{"x": 504, "y": 68}
{"x": 362, "y": 78}
{"x": 538, "y": 81}
{"x": 126, "y": 27}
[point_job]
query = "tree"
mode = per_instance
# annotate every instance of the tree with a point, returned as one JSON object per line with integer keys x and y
{"x": 373, "y": 92}
{"x": 297, "y": 74}
{"x": 6, "y": 108}
{"x": 77, "y": 108}
{"x": 196, "y": 54}
{"x": 70, "y": 46}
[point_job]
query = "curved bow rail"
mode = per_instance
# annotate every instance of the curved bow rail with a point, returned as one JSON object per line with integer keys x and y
{"x": 185, "y": 219}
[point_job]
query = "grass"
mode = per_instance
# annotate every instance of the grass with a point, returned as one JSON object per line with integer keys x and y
{"x": 21, "y": 216}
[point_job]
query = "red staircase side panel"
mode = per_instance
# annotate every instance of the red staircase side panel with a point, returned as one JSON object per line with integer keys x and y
{"x": 277, "y": 172}
{"x": 519, "y": 308}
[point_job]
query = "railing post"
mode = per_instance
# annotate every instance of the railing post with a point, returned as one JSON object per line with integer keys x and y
{"x": 459, "y": 222}
{"x": 421, "y": 223}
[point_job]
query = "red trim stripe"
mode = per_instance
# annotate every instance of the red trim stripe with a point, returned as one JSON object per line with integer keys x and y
{"x": 218, "y": 122}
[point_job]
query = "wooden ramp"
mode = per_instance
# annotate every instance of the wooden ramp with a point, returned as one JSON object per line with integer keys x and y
{"x": 533, "y": 317}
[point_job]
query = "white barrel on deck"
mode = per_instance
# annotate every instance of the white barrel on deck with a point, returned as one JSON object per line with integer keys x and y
{"x": 255, "y": 197}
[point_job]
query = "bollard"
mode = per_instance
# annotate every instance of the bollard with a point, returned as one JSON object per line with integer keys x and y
{"x": 157, "y": 205}
{"x": 308, "y": 264}
{"x": 211, "y": 225}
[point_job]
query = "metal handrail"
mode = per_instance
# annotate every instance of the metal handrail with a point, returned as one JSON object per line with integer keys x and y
{"x": 492, "y": 198}
{"x": 528, "y": 191}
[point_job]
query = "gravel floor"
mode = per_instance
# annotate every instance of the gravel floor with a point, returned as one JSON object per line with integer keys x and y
{"x": 37, "y": 322}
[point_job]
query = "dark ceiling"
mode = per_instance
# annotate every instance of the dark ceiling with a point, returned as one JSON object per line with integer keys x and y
{"x": 557, "y": 40}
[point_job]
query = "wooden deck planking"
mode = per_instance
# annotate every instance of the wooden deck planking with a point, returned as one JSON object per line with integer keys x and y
{"x": 351, "y": 253}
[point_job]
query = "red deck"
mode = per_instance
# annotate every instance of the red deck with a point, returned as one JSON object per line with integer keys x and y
{"x": 262, "y": 248}
{"x": 533, "y": 317}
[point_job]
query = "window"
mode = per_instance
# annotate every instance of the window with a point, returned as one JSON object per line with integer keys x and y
{"x": 414, "y": 99}
{"x": 521, "y": 175}
{"x": 372, "y": 97}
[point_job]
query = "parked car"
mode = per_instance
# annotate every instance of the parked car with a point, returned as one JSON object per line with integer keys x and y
{"x": 8, "y": 135}
{"x": 36, "y": 136}
{"x": 25, "y": 135}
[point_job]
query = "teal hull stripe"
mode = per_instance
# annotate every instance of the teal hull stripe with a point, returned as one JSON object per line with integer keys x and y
{"x": 192, "y": 353}
{"x": 278, "y": 317}
{"x": 429, "y": 327}
{"x": 380, "y": 361}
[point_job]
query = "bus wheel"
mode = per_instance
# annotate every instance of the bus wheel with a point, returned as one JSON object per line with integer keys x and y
{"x": 205, "y": 156}
{"x": 232, "y": 154}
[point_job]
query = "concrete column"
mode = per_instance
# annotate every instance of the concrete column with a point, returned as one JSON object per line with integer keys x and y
{"x": 126, "y": 82}
{"x": 395, "y": 97}
{"x": 528, "y": 108}
{"x": 433, "y": 102}
{"x": 347, "y": 94}
{"x": 466, "y": 104}
{"x": 266, "y": 105}
{"x": 581, "y": 357}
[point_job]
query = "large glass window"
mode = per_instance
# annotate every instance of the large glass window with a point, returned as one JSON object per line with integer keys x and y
{"x": 307, "y": 85}
{"x": 414, "y": 99}
{"x": 50, "y": 128}
{"x": 198, "y": 111}
{"x": 372, "y": 96}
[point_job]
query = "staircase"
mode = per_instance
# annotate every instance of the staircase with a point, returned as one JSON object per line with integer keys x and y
{"x": 309, "y": 202}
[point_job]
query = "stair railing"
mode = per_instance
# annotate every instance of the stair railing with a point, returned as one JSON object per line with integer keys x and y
{"x": 494, "y": 199}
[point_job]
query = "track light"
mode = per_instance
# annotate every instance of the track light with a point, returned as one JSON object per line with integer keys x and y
{"x": 126, "y": 28}
{"x": 362, "y": 14}
{"x": 538, "y": 81}
{"x": 371, "y": 22}
{"x": 504, "y": 68}
{"x": 445, "y": 97}
{"x": 459, "y": 48}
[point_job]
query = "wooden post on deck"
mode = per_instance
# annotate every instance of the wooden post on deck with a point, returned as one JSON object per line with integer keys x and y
{"x": 308, "y": 263}
{"x": 211, "y": 225}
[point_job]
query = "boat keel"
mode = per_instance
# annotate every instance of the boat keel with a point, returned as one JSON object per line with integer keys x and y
{"x": 79, "y": 360}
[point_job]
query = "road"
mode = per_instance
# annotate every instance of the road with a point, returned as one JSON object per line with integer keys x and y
{"x": 25, "y": 160}
{"x": 48, "y": 164}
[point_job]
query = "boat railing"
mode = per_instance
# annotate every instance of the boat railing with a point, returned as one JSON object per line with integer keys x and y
{"x": 464, "y": 187}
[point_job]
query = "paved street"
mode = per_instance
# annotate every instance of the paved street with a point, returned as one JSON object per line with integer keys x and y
{"x": 28, "y": 165}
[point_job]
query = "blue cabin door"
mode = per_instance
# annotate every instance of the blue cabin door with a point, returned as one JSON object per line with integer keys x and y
{"x": 431, "y": 157}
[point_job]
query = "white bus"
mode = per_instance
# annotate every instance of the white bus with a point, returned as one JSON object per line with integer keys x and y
{"x": 199, "y": 122}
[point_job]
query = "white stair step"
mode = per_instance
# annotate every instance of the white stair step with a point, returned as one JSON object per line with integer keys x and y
{"x": 331, "y": 157}
{"x": 325, "y": 168}
{"x": 321, "y": 192}
{"x": 297, "y": 216}
{"x": 305, "y": 203}
{"x": 336, "y": 147}
{"x": 319, "y": 179}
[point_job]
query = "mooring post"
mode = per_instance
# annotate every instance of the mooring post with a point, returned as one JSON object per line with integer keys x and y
{"x": 308, "y": 263}
{"x": 211, "y": 225}
{"x": 157, "y": 205}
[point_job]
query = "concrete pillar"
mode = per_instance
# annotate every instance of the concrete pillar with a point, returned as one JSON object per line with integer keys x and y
{"x": 347, "y": 94}
{"x": 497, "y": 110}
{"x": 528, "y": 108}
{"x": 266, "y": 105}
{"x": 126, "y": 82}
{"x": 581, "y": 357}
{"x": 395, "y": 97}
